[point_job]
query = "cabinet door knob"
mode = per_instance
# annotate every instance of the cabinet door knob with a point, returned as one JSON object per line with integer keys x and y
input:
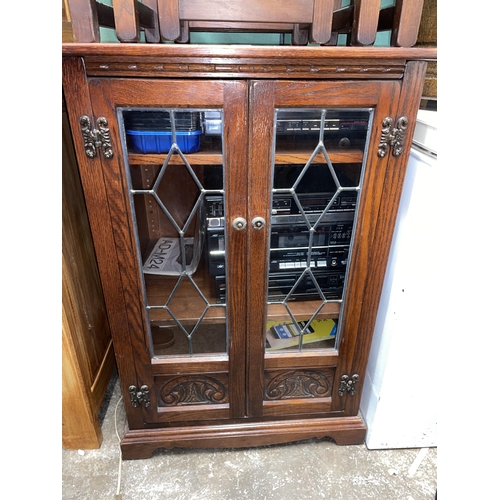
{"x": 258, "y": 223}
{"x": 239, "y": 223}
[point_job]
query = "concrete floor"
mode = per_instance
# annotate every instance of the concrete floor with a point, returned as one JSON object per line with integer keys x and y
{"x": 309, "y": 470}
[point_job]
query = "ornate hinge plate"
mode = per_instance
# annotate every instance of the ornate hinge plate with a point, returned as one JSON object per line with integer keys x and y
{"x": 139, "y": 397}
{"x": 96, "y": 138}
{"x": 392, "y": 137}
{"x": 348, "y": 384}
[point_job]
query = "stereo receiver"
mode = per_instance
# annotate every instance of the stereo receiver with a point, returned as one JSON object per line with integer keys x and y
{"x": 293, "y": 248}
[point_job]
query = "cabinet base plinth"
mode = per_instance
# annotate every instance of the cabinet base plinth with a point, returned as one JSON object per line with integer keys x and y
{"x": 141, "y": 443}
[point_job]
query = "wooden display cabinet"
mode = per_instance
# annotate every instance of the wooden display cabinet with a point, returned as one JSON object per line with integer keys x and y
{"x": 280, "y": 188}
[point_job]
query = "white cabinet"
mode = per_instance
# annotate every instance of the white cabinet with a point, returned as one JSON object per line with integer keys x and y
{"x": 399, "y": 400}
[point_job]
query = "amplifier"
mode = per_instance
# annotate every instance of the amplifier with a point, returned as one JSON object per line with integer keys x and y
{"x": 280, "y": 285}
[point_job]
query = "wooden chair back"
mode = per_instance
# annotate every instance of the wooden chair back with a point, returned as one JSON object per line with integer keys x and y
{"x": 309, "y": 21}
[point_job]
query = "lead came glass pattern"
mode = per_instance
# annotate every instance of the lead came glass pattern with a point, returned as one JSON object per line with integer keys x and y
{"x": 318, "y": 166}
{"x": 168, "y": 200}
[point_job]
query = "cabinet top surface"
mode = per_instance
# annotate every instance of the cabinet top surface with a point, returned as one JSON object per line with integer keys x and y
{"x": 247, "y": 51}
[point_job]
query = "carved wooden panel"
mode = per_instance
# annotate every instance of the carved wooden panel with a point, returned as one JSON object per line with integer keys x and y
{"x": 298, "y": 384}
{"x": 225, "y": 67}
{"x": 194, "y": 390}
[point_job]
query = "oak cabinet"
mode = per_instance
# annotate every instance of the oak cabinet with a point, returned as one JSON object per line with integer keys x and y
{"x": 237, "y": 195}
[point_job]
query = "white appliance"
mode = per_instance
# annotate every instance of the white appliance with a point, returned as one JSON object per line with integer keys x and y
{"x": 401, "y": 390}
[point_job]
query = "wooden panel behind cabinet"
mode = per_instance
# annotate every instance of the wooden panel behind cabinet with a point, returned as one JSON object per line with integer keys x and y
{"x": 427, "y": 37}
{"x": 88, "y": 357}
{"x": 67, "y": 29}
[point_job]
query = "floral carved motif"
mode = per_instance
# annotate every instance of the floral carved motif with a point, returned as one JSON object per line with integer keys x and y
{"x": 298, "y": 384}
{"x": 193, "y": 389}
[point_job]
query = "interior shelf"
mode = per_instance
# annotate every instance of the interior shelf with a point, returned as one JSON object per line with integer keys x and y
{"x": 281, "y": 158}
{"x": 340, "y": 156}
{"x": 303, "y": 311}
{"x": 188, "y": 305}
{"x": 200, "y": 158}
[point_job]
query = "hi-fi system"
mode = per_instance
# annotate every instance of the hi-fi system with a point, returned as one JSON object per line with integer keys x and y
{"x": 293, "y": 247}
{"x": 315, "y": 200}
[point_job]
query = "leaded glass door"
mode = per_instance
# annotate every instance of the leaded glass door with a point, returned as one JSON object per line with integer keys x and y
{"x": 313, "y": 208}
{"x": 180, "y": 166}
{"x": 170, "y": 203}
{"x": 319, "y": 205}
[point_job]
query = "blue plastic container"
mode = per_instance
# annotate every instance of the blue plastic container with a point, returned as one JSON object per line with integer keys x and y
{"x": 156, "y": 141}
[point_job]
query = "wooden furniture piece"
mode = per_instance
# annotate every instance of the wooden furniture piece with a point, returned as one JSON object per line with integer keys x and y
{"x": 316, "y": 21}
{"x": 427, "y": 37}
{"x": 87, "y": 350}
{"x": 66, "y": 28}
{"x": 268, "y": 126}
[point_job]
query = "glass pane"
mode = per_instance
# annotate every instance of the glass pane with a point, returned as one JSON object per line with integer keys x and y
{"x": 175, "y": 175}
{"x": 317, "y": 177}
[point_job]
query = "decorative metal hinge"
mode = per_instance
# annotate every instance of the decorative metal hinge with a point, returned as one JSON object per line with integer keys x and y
{"x": 392, "y": 137}
{"x": 348, "y": 384}
{"x": 96, "y": 138}
{"x": 139, "y": 397}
